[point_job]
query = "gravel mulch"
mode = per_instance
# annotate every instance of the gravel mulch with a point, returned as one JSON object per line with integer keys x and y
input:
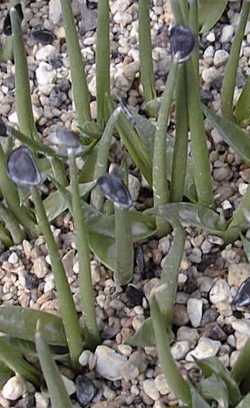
{"x": 205, "y": 322}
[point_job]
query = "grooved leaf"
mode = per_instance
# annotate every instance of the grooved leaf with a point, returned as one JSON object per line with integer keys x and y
{"x": 210, "y": 12}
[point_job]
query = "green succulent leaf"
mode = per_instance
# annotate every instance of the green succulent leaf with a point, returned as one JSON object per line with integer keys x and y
{"x": 246, "y": 246}
{"x": 245, "y": 402}
{"x": 237, "y": 138}
{"x": 102, "y": 235}
{"x": 213, "y": 388}
{"x": 197, "y": 400}
{"x": 213, "y": 365}
{"x": 210, "y": 12}
{"x": 192, "y": 214}
{"x": 242, "y": 109}
{"x": 56, "y": 387}
{"x": 5, "y": 374}
{"x": 144, "y": 337}
{"x": 21, "y": 323}
{"x": 57, "y": 202}
{"x": 13, "y": 359}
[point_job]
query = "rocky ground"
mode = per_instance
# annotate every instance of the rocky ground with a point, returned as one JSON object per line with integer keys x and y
{"x": 205, "y": 322}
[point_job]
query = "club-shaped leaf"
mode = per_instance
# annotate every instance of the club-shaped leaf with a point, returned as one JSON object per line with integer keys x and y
{"x": 237, "y": 138}
{"x": 210, "y": 13}
{"x": 182, "y": 42}
{"x": 240, "y": 370}
{"x": 21, "y": 323}
{"x": 58, "y": 394}
{"x": 213, "y": 388}
{"x": 22, "y": 169}
{"x": 213, "y": 365}
{"x": 7, "y": 23}
{"x": 115, "y": 190}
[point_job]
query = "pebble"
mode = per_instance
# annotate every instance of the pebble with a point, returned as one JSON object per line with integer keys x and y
{"x": 133, "y": 186}
{"x": 204, "y": 349}
{"x": 194, "y": 310}
{"x": 180, "y": 349}
{"x": 46, "y": 52}
{"x": 42, "y": 400}
{"x": 40, "y": 267}
{"x": 181, "y": 317}
{"x": 238, "y": 273}
{"x": 69, "y": 385}
{"x": 84, "y": 358}
{"x": 188, "y": 334}
{"x": 242, "y": 326}
{"x": 161, "y": 384}
{"x": 220, "y": 58}
{"x": 210, "y": 74}
{"x": 109, "y": 364}
{"x": 14, "y": 388}
{"x": 85, "y": 389}
{"x": 220, "y": 292}
{"x": 227, "y": 34}
{"x": 150, "y": 389}
{"x": 134, "y": 296}
{"x": 45, "y": 75}
{"x": 55, "y": 11}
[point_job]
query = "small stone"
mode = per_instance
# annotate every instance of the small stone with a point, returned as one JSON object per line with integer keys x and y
{"x": 242, "y": 326}
{"x": 134, "y": 296}
{"x": 194, "y": 310}
{"x": 85, "y": 389}
{"x": 40, "y": 267}
{"x": 55, "y": 11}
{"x": 109, "y": 364}
{"x": 130, "y": 372}
{"x": 69, "y": 385}
{"x": 45, "y": 75}
{"x": 13, "y": 258}
{"x": 238, "y": 273}
{"x": 227, "y": 34}
{"x": 220, "y": 57}
{"x": 180, "y": 349}
{"x": 84, "y": 358}
{"x": 14, "y": 388}
{"x": 220, "y": 292}
{"x": 210, "y": 74}
{"x": 150, "y": 389}
{"x": 133, "y": 186}
{"x": 26, "y": 402}
{"x": 181, "y": 317}
{"x": 188, "y": 334}
{"x": 31, "y": 281}
{"x": 161, "y": 384}
{"x": 42, "y": 400}
{"x": 211, "y": 37}
{"x": 204, "y": 349}
{"x": 214, "y": 332}
{"x": 46, "y": 52}
{"x": 164, "y": 245}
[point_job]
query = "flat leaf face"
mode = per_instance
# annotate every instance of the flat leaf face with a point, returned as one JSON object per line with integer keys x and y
{"x": 192, "y": 214}
{"x": 144, "y": 337}
{"x": 210, "y": 12}
{"x": 242, "y": 109}
{"x": 197, "y": 400}
{"x": 55, "y": 204}
{"x": 213, "y": 388}
{"x": 213, "y": 365}
{"x": 237, "y": 138}
{"x": 21, "y": 323}
{"x": 245, "y": 402}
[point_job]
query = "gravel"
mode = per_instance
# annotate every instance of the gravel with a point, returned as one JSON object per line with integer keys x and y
{"x": 118, "y": 375}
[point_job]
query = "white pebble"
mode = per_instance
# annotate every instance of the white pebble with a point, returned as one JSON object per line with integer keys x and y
{"x": 14, "y": 388}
